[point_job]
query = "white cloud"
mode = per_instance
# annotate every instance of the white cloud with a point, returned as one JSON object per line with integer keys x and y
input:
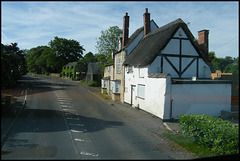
{"x": 32, "y": 24}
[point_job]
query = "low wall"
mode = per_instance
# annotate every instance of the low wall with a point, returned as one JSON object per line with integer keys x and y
{"x": 209, "y": 99}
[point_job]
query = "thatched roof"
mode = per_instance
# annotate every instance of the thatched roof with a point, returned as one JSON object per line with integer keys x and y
{"x": 151, "y": 45}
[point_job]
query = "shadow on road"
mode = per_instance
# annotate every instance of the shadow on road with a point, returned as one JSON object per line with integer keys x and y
{"x": 43, "y": 120}
{"x": 35, "y": 84}
{"x": 49, "y": 121}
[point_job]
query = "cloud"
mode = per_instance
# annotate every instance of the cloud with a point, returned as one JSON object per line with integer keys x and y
{"x": 32, "y": 24}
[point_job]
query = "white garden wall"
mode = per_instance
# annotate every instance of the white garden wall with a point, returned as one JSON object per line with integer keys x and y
{"x": 209, "y": 99}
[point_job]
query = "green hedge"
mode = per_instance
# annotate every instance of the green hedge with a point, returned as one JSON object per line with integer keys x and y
{"x": 221, "y": 136}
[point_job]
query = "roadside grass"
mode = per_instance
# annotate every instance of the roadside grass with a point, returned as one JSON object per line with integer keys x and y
{"x": 104, "y": 96}
{"x": 83, "y": 82}
{"x": 200, "y": 150}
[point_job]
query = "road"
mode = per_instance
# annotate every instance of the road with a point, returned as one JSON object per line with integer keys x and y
{"x": 62, "y": 119}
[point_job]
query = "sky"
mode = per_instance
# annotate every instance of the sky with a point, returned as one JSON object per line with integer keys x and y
{"x": 36, "y": 23}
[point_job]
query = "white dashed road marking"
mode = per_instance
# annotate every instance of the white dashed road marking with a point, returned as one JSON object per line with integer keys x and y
{"x": 65, "y": 105}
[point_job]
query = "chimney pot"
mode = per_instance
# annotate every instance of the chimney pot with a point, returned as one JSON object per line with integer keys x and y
{"x": 146, "y": 10}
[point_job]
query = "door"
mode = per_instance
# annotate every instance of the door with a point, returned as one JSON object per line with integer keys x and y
{"x": 133, "y": 87}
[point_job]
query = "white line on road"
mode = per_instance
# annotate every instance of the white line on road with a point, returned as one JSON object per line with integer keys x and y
{"x": 71, "y": 118}
{"x": 25, "y": 99}
{"x": 76, "y": 139}
{"x": 90, "y": 154}
{"x": 76, "y": 131}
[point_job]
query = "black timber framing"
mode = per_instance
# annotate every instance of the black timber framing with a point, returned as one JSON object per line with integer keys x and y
{"x": 180, "y": 56}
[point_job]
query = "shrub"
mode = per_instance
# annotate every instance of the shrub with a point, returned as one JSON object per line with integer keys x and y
{"x": 221, "y": 136}
{"x": 94, "y": 84}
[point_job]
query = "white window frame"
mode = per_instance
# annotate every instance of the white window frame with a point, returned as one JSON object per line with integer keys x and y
{"x": 141, "y": 91}
{"x": 141, "y": 72}
{"x": 116, "y": 87}
{"x": 104, "y": 83}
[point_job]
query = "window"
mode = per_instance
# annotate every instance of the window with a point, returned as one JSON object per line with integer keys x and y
{"x": 116, "y": 86}
{"x": 118, "y": 65}
{"x": 104, "y": 83}
{"x": 129, "y": 69}
{"x": 112, "y": 85}
{"x": 141, "y": 91}
{"x": 141, "y": 72}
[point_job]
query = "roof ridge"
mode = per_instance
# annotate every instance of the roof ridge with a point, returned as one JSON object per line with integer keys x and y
{"x": 164, "y": 27}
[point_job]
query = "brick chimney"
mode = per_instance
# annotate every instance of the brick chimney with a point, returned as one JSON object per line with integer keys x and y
{"x": 203, "y": 39}
{"x": 146, "y": 22}
{"x": 125, "y": 30}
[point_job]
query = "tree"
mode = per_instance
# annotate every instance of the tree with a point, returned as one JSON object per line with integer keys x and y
{"x": 65, "y": 51}
{"x": 219, "y": 63}
{"x": 212, "y": 56}
{"x": 108, "y": 41}
{"x": 12, "y": 65}
{"x": 36, "y": 62}
{"x": 82, "y": 64}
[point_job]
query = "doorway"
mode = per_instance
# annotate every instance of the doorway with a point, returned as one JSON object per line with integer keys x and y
{"x": 133, "y": 89}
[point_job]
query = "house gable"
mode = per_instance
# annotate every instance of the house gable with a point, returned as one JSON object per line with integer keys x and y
{"x": 178, "y": 51}
{"x": 180, "y": 56}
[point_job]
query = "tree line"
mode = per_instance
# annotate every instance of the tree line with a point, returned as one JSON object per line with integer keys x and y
{"x": 60, "y": 51}
{"x": 51, "y": 58}
{"x": 225, "y": 65}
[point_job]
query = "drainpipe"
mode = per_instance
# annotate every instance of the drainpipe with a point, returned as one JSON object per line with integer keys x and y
{"x": 171, "y": 101}
{"x": 109, "y": 86}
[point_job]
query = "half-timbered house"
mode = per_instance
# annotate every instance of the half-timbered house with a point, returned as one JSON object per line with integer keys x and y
{"x": 168, "y": 74}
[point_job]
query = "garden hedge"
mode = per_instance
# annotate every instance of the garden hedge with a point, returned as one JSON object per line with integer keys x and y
{"x": 220, "y": 135}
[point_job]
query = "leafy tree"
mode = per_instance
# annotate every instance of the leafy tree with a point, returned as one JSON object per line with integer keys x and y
{"x": 212, "y": 56}
{"x": 51, "y": 59}
{"x": 65, "y": 51}
{"x": 219, "y": 63}
{"x": 82, "y": 64}
{"x": 12, "y": 65}
{"x": 108, "y": 41}
{"x": 226, "y": 65}
{"x": 36, "y": 62}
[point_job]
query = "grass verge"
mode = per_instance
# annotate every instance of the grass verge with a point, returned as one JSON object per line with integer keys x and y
{"x": 200, "y": 150}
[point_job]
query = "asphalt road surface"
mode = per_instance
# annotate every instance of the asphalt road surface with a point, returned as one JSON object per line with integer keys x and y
{"x": 62, "y": 119}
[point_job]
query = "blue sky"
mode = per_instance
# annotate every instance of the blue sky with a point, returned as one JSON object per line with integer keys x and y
{"x": 33, "y": 23}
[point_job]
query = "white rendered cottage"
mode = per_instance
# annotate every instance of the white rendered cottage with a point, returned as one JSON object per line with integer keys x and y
{"x": 168, "y": 75}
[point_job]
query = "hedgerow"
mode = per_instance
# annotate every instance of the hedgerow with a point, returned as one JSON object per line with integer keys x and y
{"x": 220, "y": 135}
